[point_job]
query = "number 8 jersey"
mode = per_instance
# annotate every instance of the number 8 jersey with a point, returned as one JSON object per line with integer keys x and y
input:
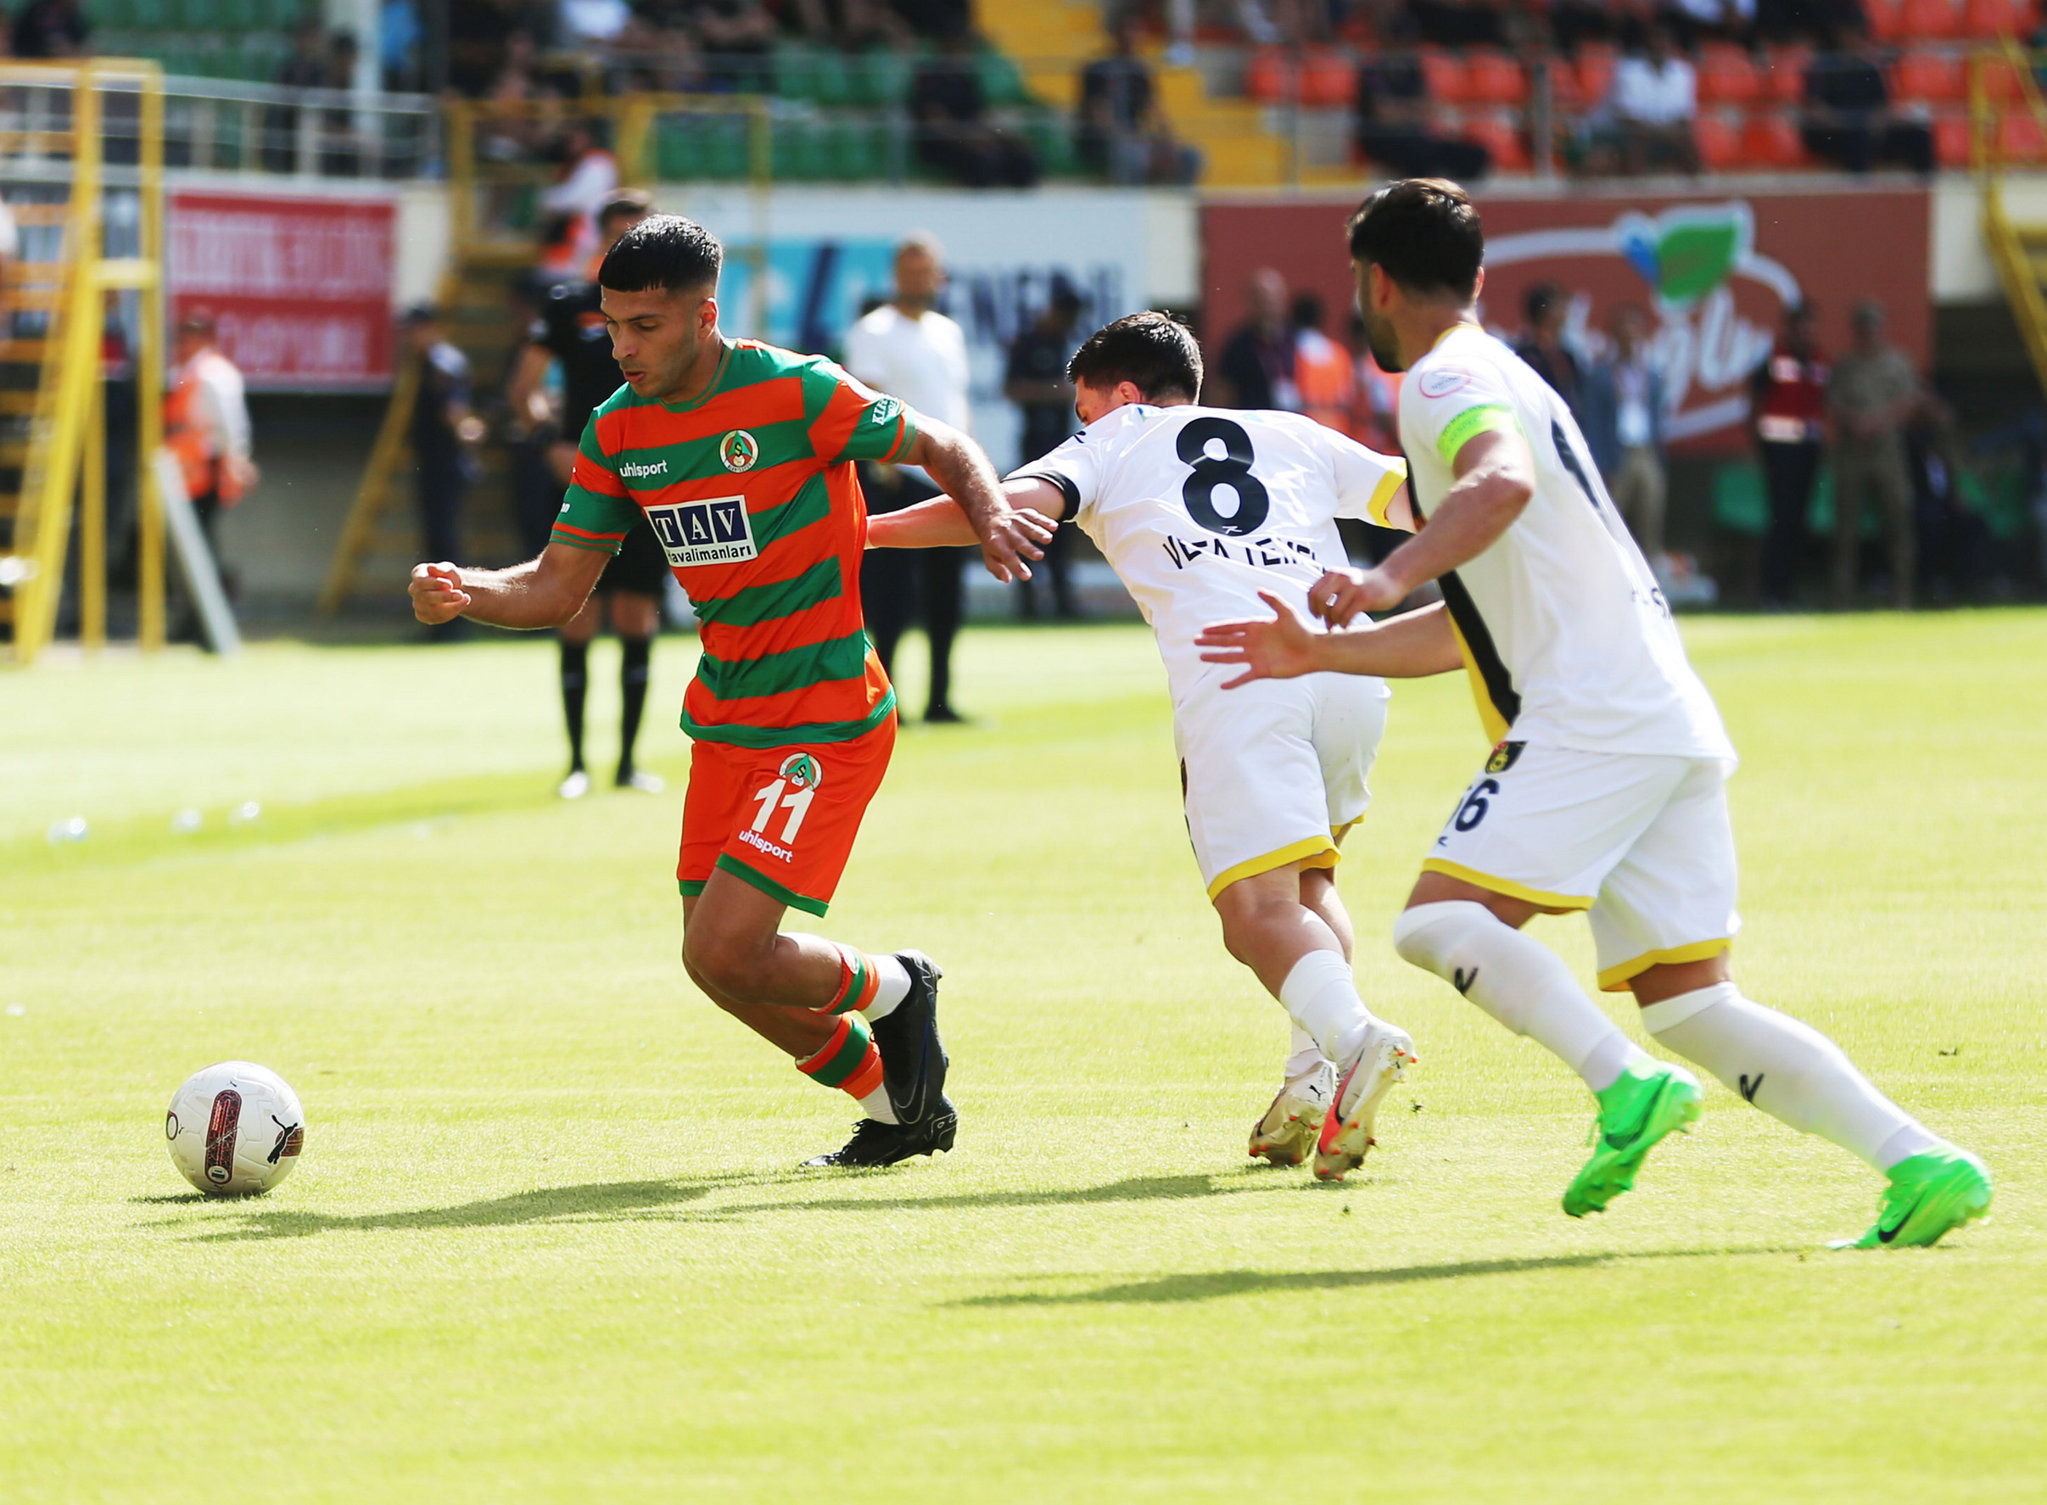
{"x": 1567, "y": 639}
{"x": 1198, "y": 509}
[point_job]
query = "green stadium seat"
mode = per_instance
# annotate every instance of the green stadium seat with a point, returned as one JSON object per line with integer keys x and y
{"x": 1001, "y": 80}
{"x": 197, "y": 15}
{"x": 147, "y": 15}
{"x": 243, "y": 17}
{"x": 853, "y": 149}
{"x": 798, "y": 68}
{"x": 284, "y": 14}
{"x": 799, "y": 150}
{"x": 1051, "y": 136}
{"x": 1740, "y": 505}
{"x": 879, "y": 78}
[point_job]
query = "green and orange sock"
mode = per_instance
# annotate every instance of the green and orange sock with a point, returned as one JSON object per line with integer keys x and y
{"x": 870, "y": 985}
{"x": 850, "y": 1061}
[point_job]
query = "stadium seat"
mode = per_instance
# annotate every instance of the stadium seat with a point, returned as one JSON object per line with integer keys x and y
{"x": 1265, "y": 80}
{"x": 1719, "y": 140}
{"x": 1328, "y": 80}
{"x": 878, "y": 77}
{"x": 2000, "y": 83}
{"x": 1933, "y": 77}
{"x": 1885, "y": 18}
{"x": 1496, "y": 131}
{"x": 1770, "y": 138}
{"x": 1951, "y": 139}
{"x": 1727, "y": 76}
{"x": 1994, "y": 18}
{"x": 1928, "y": 19}
{"x": 1595, "y": 73}
{"x": 1001, "y": 80}
{"x": 2020, "y": 135}
{"x": 1448, "y": 81}
{"x": 1494, "y": 78}
{"x": 1783, "y": 75}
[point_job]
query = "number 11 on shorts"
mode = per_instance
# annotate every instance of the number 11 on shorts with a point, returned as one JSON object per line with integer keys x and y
{"x": 801, "y": 771}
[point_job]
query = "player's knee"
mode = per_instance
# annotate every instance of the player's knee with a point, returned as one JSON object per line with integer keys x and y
{"x": 725, "y": 965}
{"x": 1428, "y": 935}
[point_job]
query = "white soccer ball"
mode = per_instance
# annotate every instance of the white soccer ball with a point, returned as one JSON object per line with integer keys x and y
{"x": 235, "y": 1129}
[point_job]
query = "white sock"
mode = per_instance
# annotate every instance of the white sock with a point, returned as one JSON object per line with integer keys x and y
{"x": 1304, "y": 1054}
{"x": 1789, "y": 1070}
{"x": 895, "y": 987}
{"x": 1321, "y": 996}
{"x": 876, "y": 1105}
{"x": 1519, "y": 981}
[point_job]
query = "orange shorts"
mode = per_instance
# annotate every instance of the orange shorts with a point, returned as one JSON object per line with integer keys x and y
{"x": 780, "y": 818}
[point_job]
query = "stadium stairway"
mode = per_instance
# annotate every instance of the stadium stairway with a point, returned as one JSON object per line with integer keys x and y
{"x": 1053, "y": 39}
{"x": 380, "y": 542}
{"x": 33, "y": 286}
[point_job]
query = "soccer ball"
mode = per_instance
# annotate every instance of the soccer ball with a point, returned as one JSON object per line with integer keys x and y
{"x": 235, "y": 1129}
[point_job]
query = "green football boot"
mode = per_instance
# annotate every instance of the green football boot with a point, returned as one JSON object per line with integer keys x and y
{"x": 1646, "y": 1103}
{"x": 1929, "y": 1195}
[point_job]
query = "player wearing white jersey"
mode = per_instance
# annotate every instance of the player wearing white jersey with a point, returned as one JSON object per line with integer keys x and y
{"x": 1605, "y": 790}
{"x": 1202, "y": 512}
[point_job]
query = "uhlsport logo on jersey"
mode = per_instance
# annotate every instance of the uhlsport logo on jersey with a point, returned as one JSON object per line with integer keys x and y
{"x": 715, "y": 530}
{"x": 802, "y": 771}
{"x": 739, "y": 450}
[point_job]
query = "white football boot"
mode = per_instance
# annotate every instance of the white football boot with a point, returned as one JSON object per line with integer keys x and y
{"x": 1287, "y": 1131}
{"x": 1362, "y": 1082}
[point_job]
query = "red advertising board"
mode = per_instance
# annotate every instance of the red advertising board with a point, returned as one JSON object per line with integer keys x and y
{"x": 300, "y": 286}
{"x": 1714, "y": 271}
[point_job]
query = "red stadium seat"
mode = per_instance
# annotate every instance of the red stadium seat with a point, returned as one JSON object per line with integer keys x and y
{"x": 1495, "y": 79}
{"x": 1951, "y": 139}
{"x": 1770, "y": 139}
{"x": 1885, "y": 18}
{"x": 1999, "y": 82}
{"x": 1719, "y": 140}
{"x": 1496, "y": 131}
{"x": 1444, "y": 73}
{"x": 1934, "y": 77}
{"x": 1783, "y": 75}
{"x": 1266, "y": 79}
{"x": 1328, "y": 79}
{"x": 1595, "y": 73}
{"x": 1727, "y": 76}
{"x": 1993, "y": 18}
{"x": 1929, "y": 19}
{"x": 2020, "y": 135}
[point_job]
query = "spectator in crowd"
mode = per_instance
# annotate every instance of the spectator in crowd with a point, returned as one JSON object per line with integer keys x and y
{"x": 1789, "y": 404}
{"x": 1542, "y": 344}
{"x": 206, "y": 428}
{"x": 1953, "y": 538}
{"x": 589, "y": 23}
{"x": 1256, "y": 369}
{"x": 399, "y": 39}
{"x": 1649, "y": 111}
{"x": 1459, "y": 23}
{"x": 1622, "y": 417}
{"x": 1035, "y": 381}
{"x": 1322, "y": 368}
{"x": 1123, "y": 135}
{"x": 589, "y": 177}
{"x": 51, "y": 29}
{"x": 1696, "y": 21}
{"x": 444, "y": 435}
{"x": 1873, "y": 393}
{"x": 853, "y": 25}
{"x": 1393, "y": 114}
{"x": 1848, "y": 115}
{"x": 954, "y": 134}
{"x": 738, "y": 42}
{"x": 911, "y": 351}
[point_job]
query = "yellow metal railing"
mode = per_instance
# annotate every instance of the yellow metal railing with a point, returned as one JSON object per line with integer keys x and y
{"x": 1994, "y": 72}
{"x": 65, "y": 456}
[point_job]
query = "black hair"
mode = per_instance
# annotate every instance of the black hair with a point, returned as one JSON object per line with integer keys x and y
{"x": 1540, "y": 299}
{"x": 626, "y": 203}
{"x": 1308, "y": 310}
{"x": 662, "y": 251}
{"x": 1423, "y": 233}
{"x": 1154, "y": 352}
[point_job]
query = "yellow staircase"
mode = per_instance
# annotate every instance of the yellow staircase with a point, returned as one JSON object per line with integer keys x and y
{"x": 1051, "y": 40}
{"x": 2018, "y": 250}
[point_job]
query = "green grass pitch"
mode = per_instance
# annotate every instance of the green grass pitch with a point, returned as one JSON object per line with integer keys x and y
{"x": 547, "y": 1241}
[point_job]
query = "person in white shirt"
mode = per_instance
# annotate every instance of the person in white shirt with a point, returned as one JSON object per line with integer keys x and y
{"x": 1649, "y": 110}
{"x": 1606, "y": 788}
{"x": 1203, "y": 511}
{"x": 911, "y": 351}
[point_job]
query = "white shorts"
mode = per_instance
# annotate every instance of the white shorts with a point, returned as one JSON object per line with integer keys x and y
{"x": 1275, "y": 771}
{"x": 1641, "y": 841}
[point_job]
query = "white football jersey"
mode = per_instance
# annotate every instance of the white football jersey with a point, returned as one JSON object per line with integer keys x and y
{"x": 1198, "y": 509}
{"x": 1567, "y": 637}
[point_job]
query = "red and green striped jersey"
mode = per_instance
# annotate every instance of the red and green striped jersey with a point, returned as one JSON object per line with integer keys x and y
{"x": 751, "y": 490}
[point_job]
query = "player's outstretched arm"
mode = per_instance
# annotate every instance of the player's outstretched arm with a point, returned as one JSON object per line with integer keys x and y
{"x": 960, "y": 465}
{"x": 942, "y": 523}
{"x": 543, "y": 592}
{"x": 1283, "y": 646}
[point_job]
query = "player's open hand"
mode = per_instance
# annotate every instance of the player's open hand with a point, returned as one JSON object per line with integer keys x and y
{"x": 1281, "y": 647}
{"x": 1012, "y": 538}
{"x": 437, "y": 594}
{"x": 1341, "y": 596}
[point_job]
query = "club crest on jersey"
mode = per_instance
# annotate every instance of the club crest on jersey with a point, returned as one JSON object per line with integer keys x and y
{"x": 802, "y": 771}
{"x": 738, "y": 450}
{"x": 715, "y": 530}
{"x": 1442, "y": 381}
{"x": 1505, "y": 755}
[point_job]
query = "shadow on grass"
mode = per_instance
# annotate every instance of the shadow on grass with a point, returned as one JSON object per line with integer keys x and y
{"x": 1207, "y": 1286}
{"x": 598, "y": 1202}
{"x": 1136, "y": 1189}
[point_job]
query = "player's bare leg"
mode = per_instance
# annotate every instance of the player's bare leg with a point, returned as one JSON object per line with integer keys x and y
{"x": 1270, "y": 924}
{"x": 865, "y": 1024}
{"x": 1794, "y": 1073}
